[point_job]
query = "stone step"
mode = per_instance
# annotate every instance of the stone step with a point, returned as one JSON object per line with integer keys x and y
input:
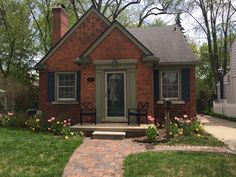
{"x": 108, "y": 135}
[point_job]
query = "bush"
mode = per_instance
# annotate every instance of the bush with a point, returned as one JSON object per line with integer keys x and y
{"x": 6, "y": 119}
{"x": 33, "y": 123}
{"x": 173, "y": 129}
{"x": 186, "y": 126}
{"x": 58, "y": 127}
{"x": 151, "y": 132}
{"x": 18, "y": 120}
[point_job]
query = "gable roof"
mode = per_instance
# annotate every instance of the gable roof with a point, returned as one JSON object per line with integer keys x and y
{"x": 40, "y": 64}
{"x": 114, "y": 25}
{"x": 167, "y": 43}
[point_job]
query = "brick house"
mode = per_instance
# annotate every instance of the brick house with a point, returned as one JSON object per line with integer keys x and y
{"x": 113, "y": 67}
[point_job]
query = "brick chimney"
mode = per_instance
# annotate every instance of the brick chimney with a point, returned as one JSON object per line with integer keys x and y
{"x": 59, "y": 23}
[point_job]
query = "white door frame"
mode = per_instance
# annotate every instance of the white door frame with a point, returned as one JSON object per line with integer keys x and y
{"x": 115, "y": 119}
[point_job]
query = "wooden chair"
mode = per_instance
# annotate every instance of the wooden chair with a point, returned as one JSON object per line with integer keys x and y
{"x": 86, "y": 109}
{"x": 141, "y": 110}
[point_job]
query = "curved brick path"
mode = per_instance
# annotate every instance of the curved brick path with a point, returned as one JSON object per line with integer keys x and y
{"x": 97, "y": 157}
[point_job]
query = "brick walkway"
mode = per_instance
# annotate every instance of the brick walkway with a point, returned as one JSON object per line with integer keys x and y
{"x": 95, "y": 158}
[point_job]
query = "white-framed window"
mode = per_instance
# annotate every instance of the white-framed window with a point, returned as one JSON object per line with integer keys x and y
{"x": 66, "y": 86}
{"x": 170, "y": 84}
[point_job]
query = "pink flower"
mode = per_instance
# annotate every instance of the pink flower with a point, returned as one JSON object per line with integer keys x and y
{"x": 65, "y": 121}
{"x": 176, "y": 118}
{"x": 10, "y": 113}
{"x": 49, "y": 120}
{"x": 53, "y": 118}
{"x": 185, "y": 116}
{"x": 151, "y": 118}
{"x": 188, "y": 121}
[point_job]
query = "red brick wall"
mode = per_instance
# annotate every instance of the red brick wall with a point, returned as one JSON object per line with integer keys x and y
{"x": 188, "y": 108}
{"x": 115, "y": 45}
{"x": 63, "y": 60}
{"x": 121, "y": 47}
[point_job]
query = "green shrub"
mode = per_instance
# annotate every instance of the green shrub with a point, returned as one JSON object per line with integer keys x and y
{"x": 33, "y": 123}
{"x": 197, "y": 127}
{"x": 173, "y": 129}
{"x": 58, "y": 127}
{"x": 151, "y": 132}
{"x": 6, "y": 119}
{"x": 186, "y": 126}
{"x": 18, "y": 120}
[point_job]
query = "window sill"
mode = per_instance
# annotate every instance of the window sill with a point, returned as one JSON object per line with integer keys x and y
{"x": 65, "y": 102}
{"x": 173, "y": 102}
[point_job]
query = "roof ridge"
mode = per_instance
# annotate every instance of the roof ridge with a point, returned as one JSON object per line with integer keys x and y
{"x": 147, "y": 27}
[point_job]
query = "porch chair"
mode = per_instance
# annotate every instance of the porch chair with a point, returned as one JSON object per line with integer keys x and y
{"x": 86, "y": 109}
{"x": 141, "y": 110}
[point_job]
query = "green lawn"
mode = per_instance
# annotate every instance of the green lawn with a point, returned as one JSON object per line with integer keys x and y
{"x": 27, "y": 154}
{"x": 203, "y": 140}
{"x": 180, "y": 164}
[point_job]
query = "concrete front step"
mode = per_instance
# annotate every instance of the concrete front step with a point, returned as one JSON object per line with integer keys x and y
{"x": 108, "y": 135}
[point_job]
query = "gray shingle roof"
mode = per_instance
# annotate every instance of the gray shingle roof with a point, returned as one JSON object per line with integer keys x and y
{"x": 167, "y": 43}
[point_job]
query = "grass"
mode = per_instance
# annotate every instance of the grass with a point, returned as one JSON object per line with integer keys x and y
{"x": 180, "y": 164}
{"x": 26, "y": 154}
{"x": 203, "y": 140}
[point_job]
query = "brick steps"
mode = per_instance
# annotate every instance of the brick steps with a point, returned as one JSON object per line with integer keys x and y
{"x": 108, "y": 135}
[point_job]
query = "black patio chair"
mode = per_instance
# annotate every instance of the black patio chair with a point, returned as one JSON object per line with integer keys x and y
{"x": 86, "y": 109}
{"x": 141, "y": 110}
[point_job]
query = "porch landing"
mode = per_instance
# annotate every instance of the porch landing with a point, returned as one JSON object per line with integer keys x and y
{"x": 131, "y": 130}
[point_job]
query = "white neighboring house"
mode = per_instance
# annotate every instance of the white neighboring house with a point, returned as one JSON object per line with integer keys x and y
{"x": 3, "y": 100}
{"x": 227, "y": 106}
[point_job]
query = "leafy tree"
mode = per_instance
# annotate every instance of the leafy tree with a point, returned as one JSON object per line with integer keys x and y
{"x": 17, "y": 49}
{"x": 178, "y": 21}
{"x": 215, "y": 16}
{"x": 137, "y": 10}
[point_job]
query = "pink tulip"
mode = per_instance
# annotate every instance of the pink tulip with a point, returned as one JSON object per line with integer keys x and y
{"x": 10, "y": 113}
{"x": 151, "y": 118}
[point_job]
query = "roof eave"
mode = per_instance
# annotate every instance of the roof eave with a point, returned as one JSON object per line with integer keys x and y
{"x": 40, "y": 66}
{"x": 193, "y": 63}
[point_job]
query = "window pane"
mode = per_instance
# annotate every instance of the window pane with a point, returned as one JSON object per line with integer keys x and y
{"x": 66, "y": 86}
{"x": 170, "y": 84}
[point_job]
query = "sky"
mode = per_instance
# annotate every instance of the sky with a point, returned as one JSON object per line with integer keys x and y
{"x": 189, "y": 24}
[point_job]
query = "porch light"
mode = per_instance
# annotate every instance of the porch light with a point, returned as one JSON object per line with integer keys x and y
{"x": 114, "y": 62}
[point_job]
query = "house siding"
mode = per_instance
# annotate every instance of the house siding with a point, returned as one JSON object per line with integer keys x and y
{"x": 228, "y": 92}
{"x": 233, "y": 69}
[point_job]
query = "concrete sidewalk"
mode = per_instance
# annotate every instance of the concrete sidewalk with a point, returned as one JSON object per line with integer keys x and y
{"x": 222, "y": 129}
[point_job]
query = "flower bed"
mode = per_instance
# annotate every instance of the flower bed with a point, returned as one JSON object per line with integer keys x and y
{"x": 35, "y": 124}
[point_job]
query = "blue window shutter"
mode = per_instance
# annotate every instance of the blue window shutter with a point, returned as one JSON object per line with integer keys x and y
{"x": 78, "y": 85}
{"x": 51, "y": 86}
{"x": 156, "y": 85}
{"x": 185, "y": 84}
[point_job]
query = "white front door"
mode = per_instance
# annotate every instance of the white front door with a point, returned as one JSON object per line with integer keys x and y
{"x": 115, "y": 103}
